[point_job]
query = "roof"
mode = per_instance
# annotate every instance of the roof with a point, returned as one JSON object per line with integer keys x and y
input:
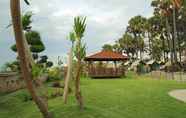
{"x": 106, "y": 56}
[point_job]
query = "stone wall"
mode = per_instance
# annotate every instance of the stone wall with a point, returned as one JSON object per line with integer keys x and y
{"x": 10, "y": 82}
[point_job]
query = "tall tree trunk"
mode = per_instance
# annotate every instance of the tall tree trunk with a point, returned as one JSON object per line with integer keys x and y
{"x": 169, "y": 40}
{"x": 179, "y": 48}
{"x": 69, "y": 76}
{"x": 149, "y": 41}
{"x": 77, "y": 85}
{"x": 25, "y": 66}
{"x": 174, "y": 35}
{"x": 140, "y": 54}
{"x": 77, "y": 78}
{"x": 171, "y": 52}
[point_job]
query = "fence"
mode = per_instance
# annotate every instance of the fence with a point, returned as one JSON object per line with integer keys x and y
{"x": 179, "y": 76}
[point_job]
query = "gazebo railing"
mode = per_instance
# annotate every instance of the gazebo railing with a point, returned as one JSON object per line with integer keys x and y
{"x": 105, "y": 72}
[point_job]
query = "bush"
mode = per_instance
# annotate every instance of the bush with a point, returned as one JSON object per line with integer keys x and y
{"x": 55, "y": 74}
{"x": 11, "y": 67}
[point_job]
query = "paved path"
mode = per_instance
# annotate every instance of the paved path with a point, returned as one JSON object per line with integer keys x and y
{"x": 179, "y": 94}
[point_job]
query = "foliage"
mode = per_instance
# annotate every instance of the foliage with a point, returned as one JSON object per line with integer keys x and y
{"x": 79, "y": 29}
{"x": 127, "y": 43}
{"x": 37, "y": 71}
{"x": 11, "y": 66}
{"x": 79, "y": 26}
{"x": 55, "y": 74}
{"x": 107, "y": 47}
{"x": 34, "y": 41}
{"x": 72, "y": 37}
{"x": 26, "y": 20}
{"x": 27, "y": 2}
{"x": 80, "y": 52}
{"x": 161, "y": 36}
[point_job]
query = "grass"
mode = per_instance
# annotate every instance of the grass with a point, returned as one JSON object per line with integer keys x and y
{"x": 132, "y": 97}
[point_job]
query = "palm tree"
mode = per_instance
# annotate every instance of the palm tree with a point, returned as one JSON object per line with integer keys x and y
{"x": 79, "y": 29}
{"x": 127, "y": 44}
{"x": 136, "y": 27}
{"x": 25, "y": 65}
{"x": 70, "y": 66}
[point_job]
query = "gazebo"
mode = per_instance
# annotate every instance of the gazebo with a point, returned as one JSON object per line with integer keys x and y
{"x": 104, "y": 69}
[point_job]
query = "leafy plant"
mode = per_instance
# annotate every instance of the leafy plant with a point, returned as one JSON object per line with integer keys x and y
{"x": 55, "y": 74}
{"x": 79, "y": 29}
{"x": 37, "y": 71}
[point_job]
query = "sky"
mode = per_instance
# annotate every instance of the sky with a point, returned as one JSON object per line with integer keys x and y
{"x": 106, "y": 22}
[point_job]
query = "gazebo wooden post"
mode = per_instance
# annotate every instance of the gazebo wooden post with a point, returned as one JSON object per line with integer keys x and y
{"x": 91, "y": 67}
{"x": 115, "y": 67}
{"x": 122, "y": 69}
{"x": 87, "y": 68}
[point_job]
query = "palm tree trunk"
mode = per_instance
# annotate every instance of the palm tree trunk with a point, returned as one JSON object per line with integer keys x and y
{"x": 77, "y": 85}
{"x": 174, "y": 35}
{"x": 69, "y": 76}
{"x": 77, "y": 78}
{"x": 25, "y": 66}
{"x": 169, "y": 40}
{"x": 179, "y": 48}
{"x": 140, "y": 54}
{"x": 171, "y": 48}
{"x": 149, "y": 41}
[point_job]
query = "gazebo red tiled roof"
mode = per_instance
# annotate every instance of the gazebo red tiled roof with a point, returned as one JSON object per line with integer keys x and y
{"x": 106, "y": 56}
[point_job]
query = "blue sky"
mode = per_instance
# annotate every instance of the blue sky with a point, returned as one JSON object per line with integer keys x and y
{"x": 106, "y": 22}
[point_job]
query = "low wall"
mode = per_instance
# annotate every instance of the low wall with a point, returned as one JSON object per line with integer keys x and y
{"x": 10, "y": 82}
{"x": 179, "y": 76}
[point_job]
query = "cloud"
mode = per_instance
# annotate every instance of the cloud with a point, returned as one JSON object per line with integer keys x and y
{"x": 106, "y": 22}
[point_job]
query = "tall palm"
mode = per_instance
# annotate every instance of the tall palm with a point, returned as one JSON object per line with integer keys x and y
{"x": 127, "y": 44}
{"x": 25, "y": 65}
{"x": 137, "y": 26}
{"x": 168, "y": 8}
{"x": 177, "y": 4}
{"x": 70, "y": 66}
{"x": 79, "y": 29}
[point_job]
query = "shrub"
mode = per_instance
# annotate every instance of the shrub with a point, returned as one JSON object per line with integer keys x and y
{"x": 55, "y": 74}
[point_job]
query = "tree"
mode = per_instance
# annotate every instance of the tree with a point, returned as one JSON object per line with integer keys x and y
{"x": 33, "y": 43}
{"x": 80, "y": 52}
{"x": 159, "y": 37}
{"x": 107, "y": 47}
{"x": 70, "y": 66}
{"x": 170, "y": 9}
{"x": 137, "y": 27}
{"x": 24, "y": 63}
{"x": 127, "y": 44}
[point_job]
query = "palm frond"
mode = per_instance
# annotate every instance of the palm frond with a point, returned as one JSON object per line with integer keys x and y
{"x": 27, "y": 2}
{"x": 72, "y": 37}
{"x": 79, "y": 26}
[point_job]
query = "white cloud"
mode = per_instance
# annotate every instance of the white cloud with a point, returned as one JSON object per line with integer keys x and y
{"x": 106, "y": 21}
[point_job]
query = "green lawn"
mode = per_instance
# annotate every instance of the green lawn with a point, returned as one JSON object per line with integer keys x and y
{"x": 133, "y": 97}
